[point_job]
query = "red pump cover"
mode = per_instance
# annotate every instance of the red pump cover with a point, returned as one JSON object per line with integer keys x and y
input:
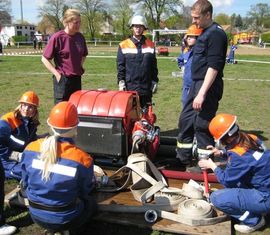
{"x": 104, "y": 103}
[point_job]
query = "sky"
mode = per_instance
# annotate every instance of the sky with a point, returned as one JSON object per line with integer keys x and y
{"x": 30, "y": 8}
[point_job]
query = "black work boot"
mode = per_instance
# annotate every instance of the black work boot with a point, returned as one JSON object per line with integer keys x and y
{"x": 185, "y": 163}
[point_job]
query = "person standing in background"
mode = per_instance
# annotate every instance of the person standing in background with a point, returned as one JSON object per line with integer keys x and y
{"x": 68, "y": 50}
{"x": 137, "y": 63}
{"x": 209, "y": 57}
{"x": 185, "y": 59}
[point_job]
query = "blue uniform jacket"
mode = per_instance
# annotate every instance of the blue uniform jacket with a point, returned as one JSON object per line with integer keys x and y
{"x": 209, "y": 51}
{"x": 137, "y": 64}
{"x": 71, "y": 178}
{"x": 185, "y": 59}
{"x": 246, "y": 169}
{"x": 15, "y": 134}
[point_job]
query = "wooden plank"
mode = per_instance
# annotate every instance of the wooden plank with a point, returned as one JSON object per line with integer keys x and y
{"x": 11, "y": 195}
{"x": 137, "y": 219}
{"x": 164, "y": 225}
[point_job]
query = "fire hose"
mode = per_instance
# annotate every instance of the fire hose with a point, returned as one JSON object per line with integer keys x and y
{"x": 188, "y": 175}
{"x": 151, "y": 214}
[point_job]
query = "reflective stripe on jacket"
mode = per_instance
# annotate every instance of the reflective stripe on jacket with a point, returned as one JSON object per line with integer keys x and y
{"x": 137, "y": 64}
{"x": 15, "y": 134}
{"x": 71, "y": 178}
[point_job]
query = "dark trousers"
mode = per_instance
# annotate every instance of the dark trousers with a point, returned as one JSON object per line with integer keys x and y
{"x": 2, "y": 194}
{"x": 145, "y": 100}
{"x": 76, "y": 224}
{"x": 65, "y": 87}
{"x": 195, "y": 124}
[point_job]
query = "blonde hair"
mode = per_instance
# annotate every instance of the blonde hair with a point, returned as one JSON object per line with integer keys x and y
{"x": 70, "y": 14}
{"x": 48, "y": 152}
{"x": 35, "y": 118}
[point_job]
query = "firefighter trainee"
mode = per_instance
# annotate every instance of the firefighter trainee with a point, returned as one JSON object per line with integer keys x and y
{"x": 246, "y": 177}
{"x": 137, "y": 63}
{"x": 57, "y": 176}
{"x": 17, "y": 130}
{"x": 209, "y": 55}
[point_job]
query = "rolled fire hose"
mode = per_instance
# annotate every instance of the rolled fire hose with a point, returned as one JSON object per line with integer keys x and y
{"x": 200, "y": 213}
{"x": 192, "y": 212}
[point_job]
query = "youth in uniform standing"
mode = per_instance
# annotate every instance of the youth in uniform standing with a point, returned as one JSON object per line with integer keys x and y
{"x": 137, "y": 63}
{"x": 185, "y": 59}
{"x": 68, "y": 50}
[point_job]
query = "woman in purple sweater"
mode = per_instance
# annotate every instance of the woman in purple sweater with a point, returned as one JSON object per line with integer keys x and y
{"x": 68, "y": 49}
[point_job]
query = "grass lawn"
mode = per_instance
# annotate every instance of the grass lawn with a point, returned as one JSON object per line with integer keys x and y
{"x": 246, "y": 94}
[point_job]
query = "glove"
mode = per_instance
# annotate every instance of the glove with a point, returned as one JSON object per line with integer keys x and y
{"x": 122, "y": 85}
{"x": 15, "y": 156}
{"x": 154, "y": 87}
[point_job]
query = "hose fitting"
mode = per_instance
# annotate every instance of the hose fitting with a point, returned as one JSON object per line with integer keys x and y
{"x": 150, "y": 216}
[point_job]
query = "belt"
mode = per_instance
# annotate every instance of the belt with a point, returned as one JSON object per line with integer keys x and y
{"x": 54, "y": 208}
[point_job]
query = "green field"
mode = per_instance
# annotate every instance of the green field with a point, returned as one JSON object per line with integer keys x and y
{"x": 246, "y": 89}
{"x": 246, "y": 94}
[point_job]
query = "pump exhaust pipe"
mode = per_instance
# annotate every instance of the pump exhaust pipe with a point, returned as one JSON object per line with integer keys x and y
{"x": 150, "y": 216}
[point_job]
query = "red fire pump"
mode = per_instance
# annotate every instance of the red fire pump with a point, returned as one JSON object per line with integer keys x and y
{"x": 145, "y": 135}
{"x": 112, "y": 125}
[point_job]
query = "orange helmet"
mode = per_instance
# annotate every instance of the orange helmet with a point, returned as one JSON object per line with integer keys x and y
{"x": 30, "y": 97}
{"x": 193, "y": 30}
{"x": 223, "y": 124}
{"x": 63, "y": 115}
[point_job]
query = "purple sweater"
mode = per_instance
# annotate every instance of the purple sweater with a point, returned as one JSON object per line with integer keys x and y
{"x": 67, "y": 52}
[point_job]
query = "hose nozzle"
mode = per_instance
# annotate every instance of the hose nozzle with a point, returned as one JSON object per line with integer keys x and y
{"x": 150, "y": 216}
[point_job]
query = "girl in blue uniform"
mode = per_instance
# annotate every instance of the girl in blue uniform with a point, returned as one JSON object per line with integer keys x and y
{"x": 57, "y": 176}
{"x": 185, "y": 59}
{"x": 17, "y": 130}
{"x": 246, "y": 178}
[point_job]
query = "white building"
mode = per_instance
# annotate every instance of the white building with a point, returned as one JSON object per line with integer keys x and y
{"x": 17, "y": 30}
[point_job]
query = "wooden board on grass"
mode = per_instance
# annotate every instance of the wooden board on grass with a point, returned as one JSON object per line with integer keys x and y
{"x": 137, "y": 219}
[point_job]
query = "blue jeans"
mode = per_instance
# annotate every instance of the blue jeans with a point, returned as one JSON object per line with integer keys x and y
{"x": 246, "y": 205}
{"x": 90, "y": 208}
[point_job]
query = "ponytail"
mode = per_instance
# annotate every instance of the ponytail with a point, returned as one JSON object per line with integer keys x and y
{"x": 48, "y": 153}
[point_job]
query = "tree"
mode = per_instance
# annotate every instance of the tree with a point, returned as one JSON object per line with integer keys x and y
{"x": 222, "y": 19}
{"x": 157, "y": 10}
{"x": 121, "y": 9}
{"x": 260, "y": 13}
{"x": 5, "y": 5}
{"x": 53, "y": 11}
{"x": 45, "y": 26}
{"x": 238, "y": 22}
{"x": 92, "y": 11}
{"x": 5, "y": 8}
